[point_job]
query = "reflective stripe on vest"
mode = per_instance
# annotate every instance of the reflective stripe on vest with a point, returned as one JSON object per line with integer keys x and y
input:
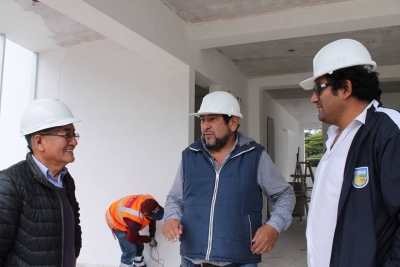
{"x": 117, "y": 212}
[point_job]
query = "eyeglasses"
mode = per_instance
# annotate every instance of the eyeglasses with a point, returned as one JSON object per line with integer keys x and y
{"x": 319, "y": 87}
{"x": 67, "y": 136}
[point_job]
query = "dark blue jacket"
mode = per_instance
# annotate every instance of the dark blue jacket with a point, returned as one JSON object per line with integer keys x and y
{"x": 367, "y": 232}
{"x": 222, "y": 210}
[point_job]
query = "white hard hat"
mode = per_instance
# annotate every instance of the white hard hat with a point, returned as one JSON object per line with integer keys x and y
{"x": 219, "y": 102}
{"x": 45, "y": 113}
{"x": 338, "y": 55}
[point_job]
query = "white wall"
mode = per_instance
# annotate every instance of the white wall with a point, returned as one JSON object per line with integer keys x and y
{"x": 152, "y": 20}
{"x": 133, "y": 129}
{"x": 286, "y": 135}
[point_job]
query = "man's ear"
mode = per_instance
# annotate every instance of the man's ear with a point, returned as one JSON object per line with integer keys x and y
{"x": 37, "y": 142}
{"x": 233, "y": 123}
{"x": 348, "y": 88}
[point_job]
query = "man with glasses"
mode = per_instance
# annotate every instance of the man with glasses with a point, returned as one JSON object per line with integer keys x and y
{"x": 355, "y": 203}
{"x": 39, "y": 214}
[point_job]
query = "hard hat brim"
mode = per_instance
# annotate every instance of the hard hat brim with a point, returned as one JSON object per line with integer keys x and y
{"x": 220, "y": 113}
{"x": 47, "y": 126}
{"x": 308, "y": 84}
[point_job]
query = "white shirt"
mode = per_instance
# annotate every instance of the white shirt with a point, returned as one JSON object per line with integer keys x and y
{"x": 321, "y": 221}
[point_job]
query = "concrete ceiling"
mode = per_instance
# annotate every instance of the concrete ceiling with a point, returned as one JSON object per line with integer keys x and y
{"x": 295, "y": 55}
{"x": 196, "y": 11}
{"x": 287, "y": 55}
{"x": 41, "y": 28}
{"x": 264, "y": 39}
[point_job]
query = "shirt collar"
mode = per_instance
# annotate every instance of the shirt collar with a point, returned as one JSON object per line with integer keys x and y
{"x": 363, "y": 115}
{"x": 333, "y": 129}
{"x": 49, "y": 176}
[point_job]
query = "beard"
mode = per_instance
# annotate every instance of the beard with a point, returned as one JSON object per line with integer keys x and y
{"x": 218, "y": 143}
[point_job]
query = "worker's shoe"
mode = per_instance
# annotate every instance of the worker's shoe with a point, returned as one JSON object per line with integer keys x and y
{"x": 124, "y": 265}
{"x": 139, "y": 261}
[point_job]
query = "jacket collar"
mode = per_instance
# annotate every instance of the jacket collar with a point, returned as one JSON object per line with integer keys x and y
{"x": 358, "y": 139}
{"x": 242, "y": 143}
{"x": 37, "y": 173}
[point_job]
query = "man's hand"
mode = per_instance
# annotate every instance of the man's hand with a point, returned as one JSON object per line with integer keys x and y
{"x": 172, "y": 230}
{"x": 264, "y": 239}
{"x": 153, "y": 242}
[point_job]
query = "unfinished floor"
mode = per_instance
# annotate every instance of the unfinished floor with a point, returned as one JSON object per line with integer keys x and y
{"x": 290, "y": 250}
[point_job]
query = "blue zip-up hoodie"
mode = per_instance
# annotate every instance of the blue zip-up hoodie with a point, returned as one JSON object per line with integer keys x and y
{"x": 367, "y": 233}
{"x": 222, "y": 210}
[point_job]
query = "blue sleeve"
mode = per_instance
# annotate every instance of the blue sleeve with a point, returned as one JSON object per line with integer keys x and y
{"x": 279, "y": 190}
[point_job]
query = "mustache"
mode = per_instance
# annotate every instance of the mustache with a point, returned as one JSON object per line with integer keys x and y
{"x": 208, "y": 132}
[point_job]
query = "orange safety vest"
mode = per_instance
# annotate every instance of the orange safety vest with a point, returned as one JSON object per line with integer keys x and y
{"x": 127, "y": 207}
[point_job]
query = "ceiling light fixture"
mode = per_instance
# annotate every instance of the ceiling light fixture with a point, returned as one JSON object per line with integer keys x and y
{"x": 291, "y": 50}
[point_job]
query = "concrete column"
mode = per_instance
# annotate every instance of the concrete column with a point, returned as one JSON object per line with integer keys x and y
{"x": 254, "y": 119}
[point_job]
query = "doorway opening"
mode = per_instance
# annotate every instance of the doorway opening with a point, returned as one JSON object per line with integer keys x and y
{"x": 313, "y": 146}
{"x": 200, "y": 92}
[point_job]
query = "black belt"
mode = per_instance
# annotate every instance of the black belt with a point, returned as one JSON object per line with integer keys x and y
{"x": 212, "y": 265}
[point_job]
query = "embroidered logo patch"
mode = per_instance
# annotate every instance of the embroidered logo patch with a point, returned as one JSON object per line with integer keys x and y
{"x": 361, "y": 177}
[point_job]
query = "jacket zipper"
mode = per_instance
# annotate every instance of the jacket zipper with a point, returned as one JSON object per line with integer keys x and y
{"x": 62, "y": 223}
{"x": 211, "y": 224}
{"x": 44, "y": 181}
{"x": 251, "y": 230}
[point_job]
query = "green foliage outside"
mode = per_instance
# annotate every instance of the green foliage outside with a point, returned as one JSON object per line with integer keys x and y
{"x": 313, "y": 146}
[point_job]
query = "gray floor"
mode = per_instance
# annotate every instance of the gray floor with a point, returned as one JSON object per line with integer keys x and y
{"x": 290, "y": 249}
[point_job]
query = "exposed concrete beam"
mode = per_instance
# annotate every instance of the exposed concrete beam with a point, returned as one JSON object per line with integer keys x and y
{"x": 387, "y": 74}
{"x": 279, "y": 82}
{"x": 92, "y": 18}
{"x": 27, "y": 29}
{"x": 324, "y": 19}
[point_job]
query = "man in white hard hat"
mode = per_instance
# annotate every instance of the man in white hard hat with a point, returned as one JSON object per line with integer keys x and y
{"x": 39, "y": 214}
{"x": 355, "y": 203}
{"x": 215, "y": 204}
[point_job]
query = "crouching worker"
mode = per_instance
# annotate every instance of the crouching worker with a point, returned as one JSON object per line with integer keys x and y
{"x": 126, "y": 217}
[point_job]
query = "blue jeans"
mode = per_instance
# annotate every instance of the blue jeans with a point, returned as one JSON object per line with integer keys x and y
{"x": 188, "y": 263}
{"x": 129, "y": 250}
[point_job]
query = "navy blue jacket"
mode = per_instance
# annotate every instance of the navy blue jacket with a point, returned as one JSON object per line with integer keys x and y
{"x": 222, "y": 210}
{"x": 367, "y": 232}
